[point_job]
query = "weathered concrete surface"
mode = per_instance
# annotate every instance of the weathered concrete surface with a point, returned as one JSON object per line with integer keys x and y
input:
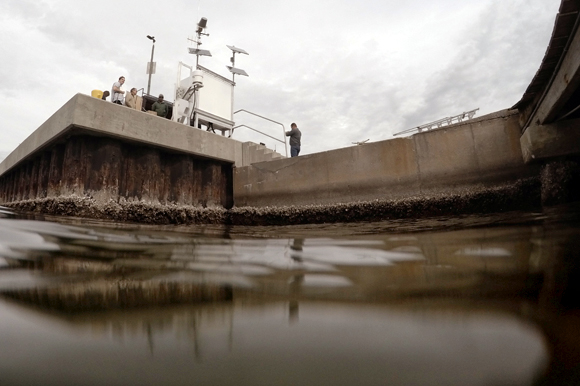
{"x": 482, "y": 153}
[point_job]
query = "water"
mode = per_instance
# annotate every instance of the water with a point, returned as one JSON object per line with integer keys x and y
{"x": 472, "y": 300}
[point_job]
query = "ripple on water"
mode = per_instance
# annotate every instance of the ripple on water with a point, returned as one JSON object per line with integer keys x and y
{"x": 371, "y": 303}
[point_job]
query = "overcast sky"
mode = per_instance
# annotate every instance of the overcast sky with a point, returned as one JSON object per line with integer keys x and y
{"x": 344, "y": 71}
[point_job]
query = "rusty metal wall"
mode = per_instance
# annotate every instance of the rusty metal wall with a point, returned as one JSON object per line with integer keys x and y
{"x": 110, "y": 169}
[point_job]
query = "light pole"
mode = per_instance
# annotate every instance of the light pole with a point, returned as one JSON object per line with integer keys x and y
{"x": 151, "y": 66}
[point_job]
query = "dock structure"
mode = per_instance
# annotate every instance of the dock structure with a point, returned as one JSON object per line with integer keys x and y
{"x": 92, "y": 148}
{"x": 108, "y": 153}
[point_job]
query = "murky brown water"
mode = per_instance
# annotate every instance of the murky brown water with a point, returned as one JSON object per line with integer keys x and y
{"x": 473, "y": 300}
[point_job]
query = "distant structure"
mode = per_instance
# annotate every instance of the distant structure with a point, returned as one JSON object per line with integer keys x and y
{"x": 440, "y": 122}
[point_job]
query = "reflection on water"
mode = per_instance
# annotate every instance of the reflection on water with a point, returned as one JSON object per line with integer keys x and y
{"x": 249, "y": 343}
{"x": 474, "y": 300}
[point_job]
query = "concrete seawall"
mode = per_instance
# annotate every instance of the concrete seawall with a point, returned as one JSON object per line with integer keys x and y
{"x": 140, "y": 168}
{"x": 480, "y": 153}
{"x": 93, "y": 149}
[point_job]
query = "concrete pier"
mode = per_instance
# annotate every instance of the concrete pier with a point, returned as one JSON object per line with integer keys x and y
{"x": 98, "y": 150}
{"x": 476, "y": 166}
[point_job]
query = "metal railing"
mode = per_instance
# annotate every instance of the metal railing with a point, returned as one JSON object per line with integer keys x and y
{"x": 258, "y": 131}
{"x": 440, "y": 122}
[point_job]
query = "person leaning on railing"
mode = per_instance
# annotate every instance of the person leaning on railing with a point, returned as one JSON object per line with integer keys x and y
{"x": 295, "y": 136}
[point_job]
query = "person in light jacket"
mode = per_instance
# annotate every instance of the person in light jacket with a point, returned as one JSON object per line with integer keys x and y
{"x": 131, "y": 99}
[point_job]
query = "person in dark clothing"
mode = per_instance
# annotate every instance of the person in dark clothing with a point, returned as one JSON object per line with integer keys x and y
{"x": 160, "y": 107}
{"x": 295, "y": 136}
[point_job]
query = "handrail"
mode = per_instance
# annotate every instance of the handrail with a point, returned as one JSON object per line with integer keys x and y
{"x": 258, "y": 131}
{"x": 267, "y": 135}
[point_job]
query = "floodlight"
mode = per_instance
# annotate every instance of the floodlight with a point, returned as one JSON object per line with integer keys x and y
{"x": 237, "y": 50}
{"x": 237, "y": 71}
{"x": 197, "y": 51}
{"x": 151, "y": 38}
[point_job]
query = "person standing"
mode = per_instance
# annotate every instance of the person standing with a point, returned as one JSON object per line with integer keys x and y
{"x": 131, "y": 99}
{"x": 160, "y": 107}
{"x": 295, "y": 136}
{"x": 116, "y": 92}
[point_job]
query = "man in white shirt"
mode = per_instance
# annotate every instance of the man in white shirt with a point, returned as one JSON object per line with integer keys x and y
{"x": 116, "y": 92}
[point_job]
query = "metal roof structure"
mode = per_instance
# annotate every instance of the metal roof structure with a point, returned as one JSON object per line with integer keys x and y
{"x": 565, "y": 29}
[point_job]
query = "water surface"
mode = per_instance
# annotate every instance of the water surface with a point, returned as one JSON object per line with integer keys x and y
{"x": 471, "y": 300}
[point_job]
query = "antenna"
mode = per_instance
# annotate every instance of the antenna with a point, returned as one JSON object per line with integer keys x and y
{"x": 196, "y": 75}
{"x": 201, "y": 26}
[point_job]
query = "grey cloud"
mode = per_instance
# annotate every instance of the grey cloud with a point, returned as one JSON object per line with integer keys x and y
{"x": 25, "y": 10}
{"x": 493, "y": 67}
{"x": 343, "y": 72}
